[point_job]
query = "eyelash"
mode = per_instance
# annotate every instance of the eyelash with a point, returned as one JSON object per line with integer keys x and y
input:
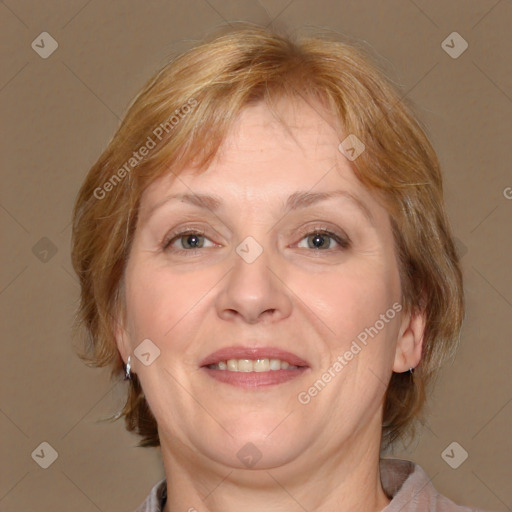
{"x": 173, "y": 236}
{"x": 342, "y": 240}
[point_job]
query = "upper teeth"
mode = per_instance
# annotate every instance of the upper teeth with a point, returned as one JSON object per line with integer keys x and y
{"x": 252, "y": 365}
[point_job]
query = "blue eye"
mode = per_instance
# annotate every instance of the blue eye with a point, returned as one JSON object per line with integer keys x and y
{"x": 320, "y": 240}
{"x": 190, "y": 240}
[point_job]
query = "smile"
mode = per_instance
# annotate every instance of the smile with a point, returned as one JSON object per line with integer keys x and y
{"x": 252, "y": 365}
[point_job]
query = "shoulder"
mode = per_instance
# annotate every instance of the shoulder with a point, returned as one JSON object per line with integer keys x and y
{"x": 155, "y": 500}
{"x": 411, "y": 490}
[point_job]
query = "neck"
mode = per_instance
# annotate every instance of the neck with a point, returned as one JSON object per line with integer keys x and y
{"x": 314, "y": 481}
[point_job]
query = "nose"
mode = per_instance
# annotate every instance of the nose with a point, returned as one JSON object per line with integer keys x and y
{"x": 254, "y": 292}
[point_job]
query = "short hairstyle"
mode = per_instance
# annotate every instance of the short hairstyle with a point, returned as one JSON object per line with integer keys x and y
{"x": 180, "y": 118}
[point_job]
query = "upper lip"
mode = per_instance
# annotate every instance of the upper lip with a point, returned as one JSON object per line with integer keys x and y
{"x": 240, "y": 352}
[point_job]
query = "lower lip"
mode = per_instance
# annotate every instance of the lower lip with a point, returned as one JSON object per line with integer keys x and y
{"x": 252, "y": 380}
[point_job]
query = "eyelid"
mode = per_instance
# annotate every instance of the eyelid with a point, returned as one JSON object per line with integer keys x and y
{"x": 338, "y": 235}
{"x": 179, "y": 232}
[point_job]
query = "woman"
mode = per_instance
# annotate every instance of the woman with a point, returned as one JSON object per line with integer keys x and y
{"x": 263, "y": 249}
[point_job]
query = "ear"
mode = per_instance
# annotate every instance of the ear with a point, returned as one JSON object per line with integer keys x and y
{"x": 410, "y": 341}
{"x": 122, "y": 339}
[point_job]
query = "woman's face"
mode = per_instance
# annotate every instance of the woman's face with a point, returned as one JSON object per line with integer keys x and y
{"x": 256, "y": 269}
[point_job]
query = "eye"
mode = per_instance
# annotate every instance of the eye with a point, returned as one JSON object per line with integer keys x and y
{"x": 190, "y": 240}
{"x": 323, "y": 239}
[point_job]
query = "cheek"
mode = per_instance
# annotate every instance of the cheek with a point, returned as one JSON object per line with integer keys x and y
{"x": 350, "y": 298}
{"x": 159, "y": 299}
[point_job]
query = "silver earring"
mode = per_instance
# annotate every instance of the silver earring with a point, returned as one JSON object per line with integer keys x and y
{"x": 411, "y": 370}
{"x": 127, "y": 369}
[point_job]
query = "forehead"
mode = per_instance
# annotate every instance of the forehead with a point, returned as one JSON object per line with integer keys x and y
{"x": 299, "y": 125}
{"x": 268, "y": 152}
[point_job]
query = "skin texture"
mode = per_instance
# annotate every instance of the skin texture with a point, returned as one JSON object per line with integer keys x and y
{"x": 313, "y": 302}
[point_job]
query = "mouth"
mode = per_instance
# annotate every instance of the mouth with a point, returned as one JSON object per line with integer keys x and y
{"x": 253, "y": 365}
{"x": 252, "y": 368}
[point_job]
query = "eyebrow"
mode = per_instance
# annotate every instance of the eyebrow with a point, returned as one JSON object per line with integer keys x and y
{"x": 296, "y": 201}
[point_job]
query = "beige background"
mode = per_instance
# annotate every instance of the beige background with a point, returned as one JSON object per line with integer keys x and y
{"x": 58, "y": 114}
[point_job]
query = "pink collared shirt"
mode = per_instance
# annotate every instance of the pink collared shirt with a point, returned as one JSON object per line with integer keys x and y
{"x": 405, "y": 483}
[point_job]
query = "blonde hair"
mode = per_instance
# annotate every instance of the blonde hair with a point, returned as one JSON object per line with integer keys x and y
{"x": 182, "y": 115}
